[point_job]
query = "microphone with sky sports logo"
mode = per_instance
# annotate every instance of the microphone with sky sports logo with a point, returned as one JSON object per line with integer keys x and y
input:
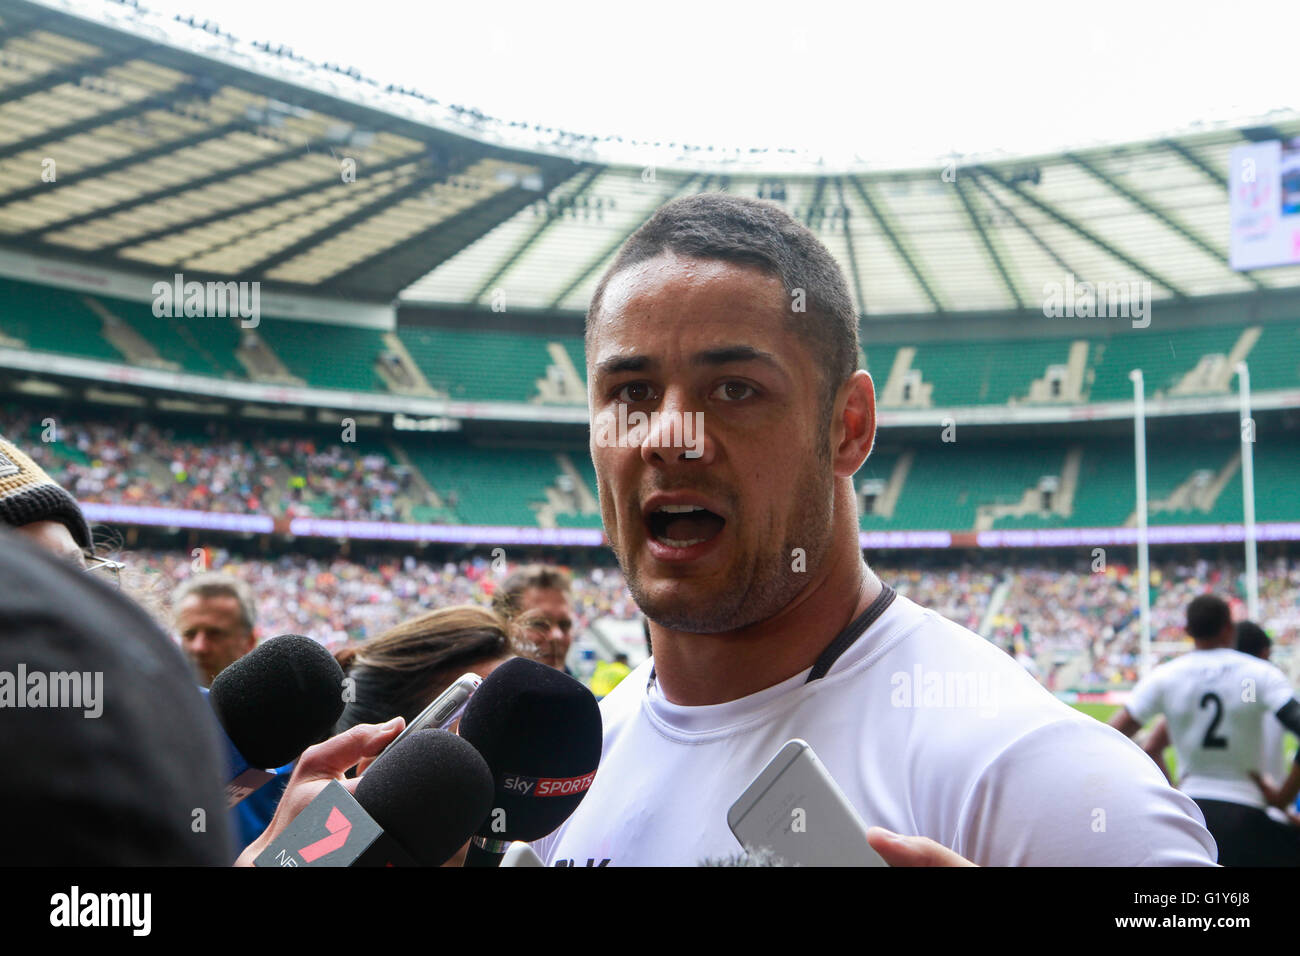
{"x": 415, "y": 806}
{"x": 540, "y": 732}
{"x": 272, "y": 704}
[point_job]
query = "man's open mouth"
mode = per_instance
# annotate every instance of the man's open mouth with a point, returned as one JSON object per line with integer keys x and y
{"x": 681, "y": 526}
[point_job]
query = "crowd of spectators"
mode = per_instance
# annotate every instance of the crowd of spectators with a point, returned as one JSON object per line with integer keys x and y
{"x": 137, "y": 463}
{"x": 1080, "y": 623}
{"x": 338, "y": 600}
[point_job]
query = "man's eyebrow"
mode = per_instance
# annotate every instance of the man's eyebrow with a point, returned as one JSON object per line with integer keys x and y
{"x": 734, "y": 353}
{"x": 719, "y": 356}
{"x": 623, "y": 363}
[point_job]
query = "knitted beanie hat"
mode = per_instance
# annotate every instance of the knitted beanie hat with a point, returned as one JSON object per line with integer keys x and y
{"x": 28, "y": 494}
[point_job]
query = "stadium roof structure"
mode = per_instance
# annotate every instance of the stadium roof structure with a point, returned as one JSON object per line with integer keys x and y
{"x": 151, "y": 147}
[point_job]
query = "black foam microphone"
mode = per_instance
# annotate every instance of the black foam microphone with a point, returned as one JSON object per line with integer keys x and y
{"x": 540, "y": 732}
{"x": 430, "y": 794}
{"x": 273, "y": 703}
{"x": 414, "y": 806}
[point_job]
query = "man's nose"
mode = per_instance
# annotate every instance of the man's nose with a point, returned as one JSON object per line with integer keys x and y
{"x": 676, "y": 430}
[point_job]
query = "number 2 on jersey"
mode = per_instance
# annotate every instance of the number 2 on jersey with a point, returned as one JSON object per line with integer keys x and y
{"x": 1212, "y": 742}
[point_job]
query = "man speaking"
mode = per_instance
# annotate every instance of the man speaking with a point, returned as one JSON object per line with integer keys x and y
{"x": 741, "y": 547}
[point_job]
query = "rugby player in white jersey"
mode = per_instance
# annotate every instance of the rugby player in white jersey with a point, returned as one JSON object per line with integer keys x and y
{"x": 1216, "y": 701}
{"x": 739, "y": 542}
{"x": 1252, "y": 640}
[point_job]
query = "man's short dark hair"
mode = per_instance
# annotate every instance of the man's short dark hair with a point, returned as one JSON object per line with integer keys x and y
{"x": 1207, "y": 616}
{"x": 759, "y": 234}
{"x": 1251, "y": 639}
{"x": 507, "y": 600}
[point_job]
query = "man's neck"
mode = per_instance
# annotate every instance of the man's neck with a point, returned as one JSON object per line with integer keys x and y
{"x": 698, "y": 669}
{"x": 1207, "y": 646}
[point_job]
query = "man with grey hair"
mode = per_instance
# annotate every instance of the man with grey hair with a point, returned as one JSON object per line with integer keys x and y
{"x": 215, "y": 620}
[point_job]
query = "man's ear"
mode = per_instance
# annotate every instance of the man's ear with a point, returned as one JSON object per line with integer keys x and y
{"x": 854, "y": 425}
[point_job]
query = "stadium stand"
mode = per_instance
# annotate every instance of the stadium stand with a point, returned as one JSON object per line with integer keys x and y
{"x": 946, "y": 486}
{"x": 503, "y": 366}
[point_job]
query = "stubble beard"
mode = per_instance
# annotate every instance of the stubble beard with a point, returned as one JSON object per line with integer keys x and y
{"x": 760, "y": 584}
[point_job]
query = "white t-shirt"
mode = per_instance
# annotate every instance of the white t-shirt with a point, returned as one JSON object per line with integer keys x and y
{"x": 929, "y": 729}
{"x": 1216, "y": 703}
{"x": 1272, "y": 752}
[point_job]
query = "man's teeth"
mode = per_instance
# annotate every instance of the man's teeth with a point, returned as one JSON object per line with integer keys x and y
{"x": 679, "y": 510}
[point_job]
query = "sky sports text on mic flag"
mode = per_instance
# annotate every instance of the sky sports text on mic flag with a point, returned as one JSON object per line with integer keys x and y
{"x": 540, "y": 732}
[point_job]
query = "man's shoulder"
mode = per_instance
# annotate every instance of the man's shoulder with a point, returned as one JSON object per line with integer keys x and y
{"x": 953, "y": 700}
{"x": 1250, "y": 662}
{"x": 949, "y": 654}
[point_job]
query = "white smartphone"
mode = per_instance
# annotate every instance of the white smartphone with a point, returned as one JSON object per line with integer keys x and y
{"x": 795, "y": 809}
{"x": 521, "y": 854}
{"x": 445, "y": 709}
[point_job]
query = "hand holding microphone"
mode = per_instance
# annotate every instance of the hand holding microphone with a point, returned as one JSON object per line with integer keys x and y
{"x": 316, "y": 768}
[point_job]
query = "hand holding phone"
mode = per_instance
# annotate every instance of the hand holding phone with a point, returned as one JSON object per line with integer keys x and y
{"x": 795, "y": 809}
{"x": 445, "y": 710}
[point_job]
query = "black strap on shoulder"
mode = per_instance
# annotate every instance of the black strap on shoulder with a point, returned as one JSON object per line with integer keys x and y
{"x": 857, "y": 627}
{"x": 1289, "y": 715}
{"x": 844, "y": 640}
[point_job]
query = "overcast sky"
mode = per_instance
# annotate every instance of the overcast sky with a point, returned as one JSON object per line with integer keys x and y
{"x": 898, "y": 83}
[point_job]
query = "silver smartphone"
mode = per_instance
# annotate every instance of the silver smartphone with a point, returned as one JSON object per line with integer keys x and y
{"x": 795, "y": 810}
{"x": 445, "y": 709}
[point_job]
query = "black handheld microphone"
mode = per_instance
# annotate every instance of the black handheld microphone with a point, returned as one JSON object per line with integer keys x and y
{"x": 273, "y": 703}
{"x": 415, "y": 806}
{"x": 540, "y": 732}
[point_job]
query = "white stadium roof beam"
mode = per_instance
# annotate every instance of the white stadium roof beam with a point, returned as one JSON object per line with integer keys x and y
{"x": 598, "y": 261}
{"x": 71, "y": 74}
{"x": 529, "y": 241}
{"x": 1192, "y": 159}
{"x": 93, "y": 121}
{"x": 967, "y": 202}
{"x": 1093, "y": 167}
{"x": 169, "y": 148}
{"x": 432, "y": 170}
{"x": 1072, "y": 225}
{"x": 146, "y": 196}
{"x": 220, "y": 215}
{"x": 849, "y": 252}
{"x": 508, "y": 188}
{"x": 1006, "y": 212}
{"x": 236, "y": 244}
{"x": 896, "y": 240}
